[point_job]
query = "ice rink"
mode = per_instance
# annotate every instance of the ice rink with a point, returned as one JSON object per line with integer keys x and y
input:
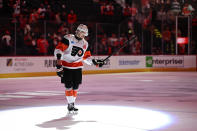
{"x": 145, "y": 101}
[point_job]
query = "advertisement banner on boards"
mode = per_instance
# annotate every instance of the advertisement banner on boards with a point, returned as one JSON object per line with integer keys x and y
{"x": 27, "y": 64}
{"x": 165, "y": 61}
{"x": 119, "y": 62}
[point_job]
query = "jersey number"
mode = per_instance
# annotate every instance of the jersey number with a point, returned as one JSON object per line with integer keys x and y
{"x": 77, "y": 51}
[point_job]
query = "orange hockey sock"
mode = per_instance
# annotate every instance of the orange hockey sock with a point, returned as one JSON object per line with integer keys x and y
{"x": 69, "y": 96}
{"x": 74, "y": 95}
{"x": 69, "y": 92}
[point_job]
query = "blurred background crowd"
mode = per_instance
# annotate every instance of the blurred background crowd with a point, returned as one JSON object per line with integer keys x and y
{"x": 35, "y": 27}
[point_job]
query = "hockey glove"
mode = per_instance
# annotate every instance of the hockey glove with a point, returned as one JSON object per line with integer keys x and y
{"x": 98, "y": 62}
{"x": 59, "y": 70}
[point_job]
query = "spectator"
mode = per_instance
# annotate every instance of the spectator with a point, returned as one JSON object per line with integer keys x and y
{"x": 30, "y": 46}
{"x": 175, "y": 7}
{"x": 194, "y": 5}
{"x": 102, "y": 46}
{"x": 122, "y": 39}
{"x": 126, "y": 11}
{"x": 53, "y": 42}
{"x": 113, "y": 42}
{"x": 167, "y": 6}
{"x": 103, "y": 9}
{"x": 49, "y": 14}
{"x": 64, "y": 16}
{"x": 107, "y": 9}
{"x": 133, "y": 10}
{"x": 42, "y": 45}
{"x": 41, "y": 11}
{"x": 22, "y": 20}
{"x": 146, "y": 8}
{"x": 28, "y": 40}
{"x": 146, "y": 22}
{"x": 181, "y": 49}
{"x": 161, "y": 14}
{"x": 63, "y": 30}
{"x": 58, "y": 18}
{"x": 110, "y": 9}
{"x": 130, "y": 26}
{"x": 166, "y": 40}
{"x": 27, "y": 28}
{"x": 33, "y": 17}
{"x": 187, "y": 9}
{"x": 6, "y": 43}
{"x": 72, "y": 17}
{"x": 137, "y": 47}
{"x": 16, "y": 7}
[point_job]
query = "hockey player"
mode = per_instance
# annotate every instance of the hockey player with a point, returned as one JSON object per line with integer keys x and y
{"x": 70, "y": 52}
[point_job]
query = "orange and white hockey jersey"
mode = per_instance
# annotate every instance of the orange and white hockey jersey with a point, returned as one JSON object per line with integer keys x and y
{"x": 73, "y": 52}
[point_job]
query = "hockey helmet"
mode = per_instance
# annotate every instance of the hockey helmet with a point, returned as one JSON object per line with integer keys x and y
{"x": 82, "y": 31}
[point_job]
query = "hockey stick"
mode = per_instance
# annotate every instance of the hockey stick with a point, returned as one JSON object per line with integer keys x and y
{"x": 132, "y": 40}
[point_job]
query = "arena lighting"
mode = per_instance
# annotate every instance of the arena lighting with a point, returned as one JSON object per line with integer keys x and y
{"x": 89, "y": 118}
{"x": 182, "y": 40}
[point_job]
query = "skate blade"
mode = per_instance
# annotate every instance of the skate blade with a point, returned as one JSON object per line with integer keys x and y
{"x": 75, "y": 112}
{"x": 72, "y": 112}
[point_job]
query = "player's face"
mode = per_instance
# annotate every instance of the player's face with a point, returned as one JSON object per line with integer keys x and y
{"x": 80, "y": 34}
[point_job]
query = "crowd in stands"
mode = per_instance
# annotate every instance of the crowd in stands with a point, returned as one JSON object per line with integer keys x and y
{"x": 156, "y": 25}
{"x": 36, "y": 27}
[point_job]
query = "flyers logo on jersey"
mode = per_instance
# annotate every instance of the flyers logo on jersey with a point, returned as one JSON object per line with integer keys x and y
{"x": 77, "y": 51}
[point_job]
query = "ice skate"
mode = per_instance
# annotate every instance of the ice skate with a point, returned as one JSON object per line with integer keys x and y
{"x": 70, "y": 108}
{"x": 75, "y": 109}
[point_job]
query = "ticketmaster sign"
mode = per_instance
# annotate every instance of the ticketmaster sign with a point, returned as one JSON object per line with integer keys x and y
{"x": 164, "y": 61}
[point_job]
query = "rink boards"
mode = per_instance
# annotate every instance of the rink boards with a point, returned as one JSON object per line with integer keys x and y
{"x": 45, "y": 66}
